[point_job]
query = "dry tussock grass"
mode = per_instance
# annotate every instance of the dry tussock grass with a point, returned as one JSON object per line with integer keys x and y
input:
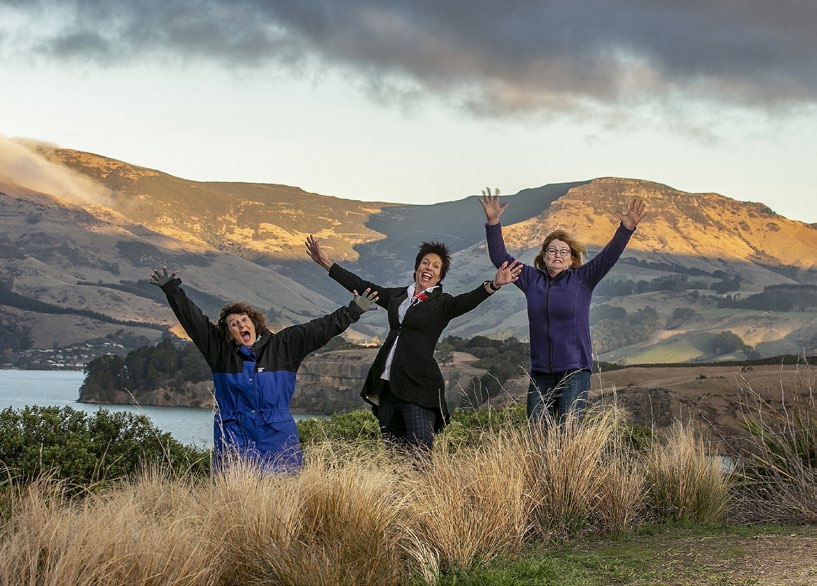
{"x": 778, "y": 466}
{"x": 684, "y": 482}
{"x": 470, "y": 505}
{"x": 108, "y": 538}
{"x": 566, "y": 471}
{"x": 357, "y": 516}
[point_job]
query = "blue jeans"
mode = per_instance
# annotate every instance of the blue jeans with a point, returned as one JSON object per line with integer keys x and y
{"x": 558, "y": 393}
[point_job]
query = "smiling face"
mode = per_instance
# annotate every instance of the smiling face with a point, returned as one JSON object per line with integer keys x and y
{"x": 428, "y": 272}
{"x": 558, "y": 257}
{"x": 241, "y": 329}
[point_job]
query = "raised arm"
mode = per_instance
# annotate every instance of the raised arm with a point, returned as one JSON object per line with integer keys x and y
{"x": 598, "y": 266}
{"x": 506, "y": 274}
{"x": 346, "y": 278}
{"x": 491, "y": 206}
{"x": 314, "y": 251}
{"x": 198, "y": 326}
{"x": 302, "y": 339}
{"x": 636, "y": 212}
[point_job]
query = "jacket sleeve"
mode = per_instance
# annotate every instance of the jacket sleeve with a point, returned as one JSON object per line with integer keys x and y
{"x": 202, "y": 331}
{"x": 351, "y": 282}
{"x": 457, "y": 305}
{"x": 597, "y": 267}
{"x": 300, "y": 340}
{"x": 498, "y": 254}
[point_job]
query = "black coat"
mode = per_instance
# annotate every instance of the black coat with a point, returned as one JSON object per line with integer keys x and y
{"x": 415, "y": 375}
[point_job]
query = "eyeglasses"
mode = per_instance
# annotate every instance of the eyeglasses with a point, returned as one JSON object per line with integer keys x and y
{"x": 560, "y": 251}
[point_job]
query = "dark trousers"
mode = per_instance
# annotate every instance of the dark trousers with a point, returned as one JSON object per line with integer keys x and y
{"x": 405, "y": 423}
{"x": 558, "y": 393}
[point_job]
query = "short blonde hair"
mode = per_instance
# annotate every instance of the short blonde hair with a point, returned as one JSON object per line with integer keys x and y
{"x": 578, "y": 250}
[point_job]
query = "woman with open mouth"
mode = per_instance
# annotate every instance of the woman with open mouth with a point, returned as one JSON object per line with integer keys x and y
{"x": 404, "y": 385}
{"x": 254, "y": 371}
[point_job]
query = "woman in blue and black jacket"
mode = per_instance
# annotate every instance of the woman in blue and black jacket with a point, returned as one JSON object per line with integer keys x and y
{"x": 254, "y": 372}
{"x": 558, "y": 290}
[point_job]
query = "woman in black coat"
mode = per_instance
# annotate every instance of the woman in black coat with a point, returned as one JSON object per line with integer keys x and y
{"x": 405, "y": 386}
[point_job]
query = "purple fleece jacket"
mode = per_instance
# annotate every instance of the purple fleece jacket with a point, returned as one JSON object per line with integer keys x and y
{"x": 559, "y": 308}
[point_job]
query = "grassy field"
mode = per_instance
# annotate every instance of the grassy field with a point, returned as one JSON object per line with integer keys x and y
{"x": 498, "y": 501}
{"x": 664, "y": 555}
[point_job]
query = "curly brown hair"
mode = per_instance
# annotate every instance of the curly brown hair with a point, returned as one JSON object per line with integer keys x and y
{"x": 578, "y": 250}
{"x": 257, "y": 317}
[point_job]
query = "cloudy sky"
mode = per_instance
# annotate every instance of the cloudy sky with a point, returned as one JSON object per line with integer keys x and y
{"x": 427, "y": 100}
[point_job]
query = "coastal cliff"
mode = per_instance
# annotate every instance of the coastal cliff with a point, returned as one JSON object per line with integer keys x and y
{"x": 329, "y": 382}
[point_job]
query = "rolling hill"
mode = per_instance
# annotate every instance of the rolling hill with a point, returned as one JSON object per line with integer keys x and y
{"x": 74, "y": 262}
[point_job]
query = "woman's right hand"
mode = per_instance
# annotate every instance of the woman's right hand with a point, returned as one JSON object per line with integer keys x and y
{"x": 313, "y": 249}
{"x": 163, "y": 278}
{"x": 493, "y": 208}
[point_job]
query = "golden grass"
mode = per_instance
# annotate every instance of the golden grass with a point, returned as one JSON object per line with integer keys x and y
{"x": 570, "y": 469}
{"x": 684, "y": 482}
{"x": 470, "y": 505}
{"x": 357, "y": 516}
{"x": 117, "y": 537}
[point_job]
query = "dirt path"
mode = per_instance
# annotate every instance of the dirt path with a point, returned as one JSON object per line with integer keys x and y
{"x": 754, "y": 556}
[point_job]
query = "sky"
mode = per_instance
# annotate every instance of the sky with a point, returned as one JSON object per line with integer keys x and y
{"x": 425, "y": 101}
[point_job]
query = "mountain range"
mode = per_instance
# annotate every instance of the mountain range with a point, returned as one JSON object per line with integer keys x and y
{"x": 76, "y": 253}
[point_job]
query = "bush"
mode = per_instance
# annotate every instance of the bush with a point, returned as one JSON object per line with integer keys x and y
{"x": 470, "y": 427}
{"x": 83, "y": 449}
{"x": 725, "y": 343}
{"x": 356, "y": 426}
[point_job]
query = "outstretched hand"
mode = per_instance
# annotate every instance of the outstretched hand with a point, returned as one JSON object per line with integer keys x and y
{"x": 635, "y": 213}
{"x": 491, "y": 205}
{"x": 313, "y": 250}
{"x": 507, "y": 273}
{"x": 161, "y": 279}
{"x": 367, "y": 300}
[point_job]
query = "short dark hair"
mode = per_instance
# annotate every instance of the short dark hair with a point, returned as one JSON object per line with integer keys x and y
{"x": 239, "y": 307}
{"x": 440, "y": 250}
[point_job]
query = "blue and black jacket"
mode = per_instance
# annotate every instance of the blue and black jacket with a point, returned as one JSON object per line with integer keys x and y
{"x": 254, "y": 385}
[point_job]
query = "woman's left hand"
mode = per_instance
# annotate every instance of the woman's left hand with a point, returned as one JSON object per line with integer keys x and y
{"x": 635, "y": 213}
{"x": 507, "y": 273}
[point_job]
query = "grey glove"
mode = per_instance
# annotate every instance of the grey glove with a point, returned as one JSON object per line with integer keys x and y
{"x": 161, "y": 279}
{"x": 366, "y": 301}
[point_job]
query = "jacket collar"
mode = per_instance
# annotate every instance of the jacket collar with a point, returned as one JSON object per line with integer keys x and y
{"x": 250, "y": 352}
{"x": 431, "y": 291}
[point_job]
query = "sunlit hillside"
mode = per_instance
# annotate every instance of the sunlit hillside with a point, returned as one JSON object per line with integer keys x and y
{"x": 75, "y": 261}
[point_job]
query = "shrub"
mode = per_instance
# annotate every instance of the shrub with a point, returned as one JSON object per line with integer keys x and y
{"x": 83, "y": 449}
{"x": 471, "y": 427}
{"x": 355, "y": 426}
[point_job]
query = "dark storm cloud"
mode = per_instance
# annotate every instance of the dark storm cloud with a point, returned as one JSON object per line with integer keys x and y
{"x": 494, "y": 57}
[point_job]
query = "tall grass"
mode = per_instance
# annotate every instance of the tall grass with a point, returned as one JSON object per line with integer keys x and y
{"x": 359, "y": 515}
{"x": 139, "y": 533}
{"x": 778, "y": 474}
{"x": 470, "y": 504}
{"x": 684, "y": 482}
{"x": 565, "y": 468}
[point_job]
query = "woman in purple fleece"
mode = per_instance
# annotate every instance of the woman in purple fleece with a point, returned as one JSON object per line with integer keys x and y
{"x": 558, "y": 288}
